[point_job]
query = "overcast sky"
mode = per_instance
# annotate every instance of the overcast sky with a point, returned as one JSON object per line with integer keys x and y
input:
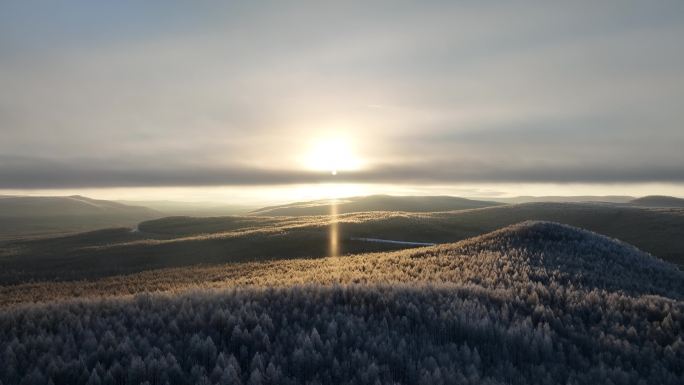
{"x": 121, "y": 94}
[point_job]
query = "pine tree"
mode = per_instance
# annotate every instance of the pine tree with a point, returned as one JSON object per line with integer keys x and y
{"x": 94, "y": 378}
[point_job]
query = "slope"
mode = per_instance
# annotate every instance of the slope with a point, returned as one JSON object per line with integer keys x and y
{"x": 24, "y": 216}
{"x": 541, "y": 253}
{"x": 566, "y": 199}
{"x": 658, "y": 201}
{"x": 535, "y": 303}
{"x": 182, "y": 241}
{"x": 375, "y": 203}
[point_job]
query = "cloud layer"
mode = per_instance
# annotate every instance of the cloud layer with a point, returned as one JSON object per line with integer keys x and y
{"x": 124, "y": 94}
{"x": 31, "y": 173}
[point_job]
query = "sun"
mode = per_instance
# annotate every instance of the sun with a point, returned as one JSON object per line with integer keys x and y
{"x": 333, "y": 154}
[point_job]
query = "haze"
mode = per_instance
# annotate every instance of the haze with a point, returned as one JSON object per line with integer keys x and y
{"x": 128, "y": 100}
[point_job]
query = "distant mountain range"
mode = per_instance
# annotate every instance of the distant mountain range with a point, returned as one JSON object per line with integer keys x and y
{"x": 647, "y": 201}
{"x": 375, "y": 203}
{"x": 566, "y": 199}
{"x": 658, "y": 201}
{"x": 447, "y": 203}
{"x": 38, "y": 216}
{"x": 185, "y": 241}
{"x": 193, "y": 209}
{"x": 25, "y": 216}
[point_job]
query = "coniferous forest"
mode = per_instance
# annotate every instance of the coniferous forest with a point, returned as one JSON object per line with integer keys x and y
{"x": 536, "y": 303}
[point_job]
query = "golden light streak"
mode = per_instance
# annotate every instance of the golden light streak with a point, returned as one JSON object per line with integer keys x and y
{"x": 334, "y": 230}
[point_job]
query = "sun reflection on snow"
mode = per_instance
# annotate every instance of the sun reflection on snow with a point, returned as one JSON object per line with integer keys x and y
{"x": 334, "y": 235}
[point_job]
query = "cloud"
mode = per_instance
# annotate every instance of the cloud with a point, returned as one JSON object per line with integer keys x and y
{"x": 130, "y": 95}
{"x": 31, "y": 173}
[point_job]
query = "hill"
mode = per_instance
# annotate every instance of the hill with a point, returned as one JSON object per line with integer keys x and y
{"x": 183, "y": 241}
{"x": 24, "y": 216}
{"x": 566, "y": 199}
{"x": 532, "y": 251}
{"x": 658, "y": 201}
{"x": 194, "y": 209}
{"x": 534, "y": 303}
{"x": 374, "y": 203}
{"x": 76, "y": 205}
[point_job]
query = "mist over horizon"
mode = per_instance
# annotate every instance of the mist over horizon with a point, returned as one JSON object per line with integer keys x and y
{"x": 464, "y": 99}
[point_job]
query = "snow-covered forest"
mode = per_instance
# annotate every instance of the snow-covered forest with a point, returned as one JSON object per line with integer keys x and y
{"x": 536, "y": 303}
{"x": 349, "y": 335}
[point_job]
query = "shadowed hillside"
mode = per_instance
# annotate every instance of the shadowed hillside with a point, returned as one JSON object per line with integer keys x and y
{"x": 375, "y": 203}
{"x": 535, "y": 303}
{"x": 539, "y": 252}
{"x": 658, "y": 201}
{"x": 183, "y": 241}
{"x": 566, "y": 199}
{"x": 24, "y": 216}
{"x": 195, "y": 209}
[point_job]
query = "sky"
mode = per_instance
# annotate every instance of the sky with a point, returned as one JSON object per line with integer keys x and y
{"x": 267, "y": 100}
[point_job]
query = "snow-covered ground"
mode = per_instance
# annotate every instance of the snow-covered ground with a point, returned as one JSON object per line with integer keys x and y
{"x": 377, "y": 240}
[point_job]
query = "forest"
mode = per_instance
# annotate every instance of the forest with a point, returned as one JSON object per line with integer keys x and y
{"x": 535, "y": 303}
{"x": 349, "y": 335}
{"x": 185, "y": 241}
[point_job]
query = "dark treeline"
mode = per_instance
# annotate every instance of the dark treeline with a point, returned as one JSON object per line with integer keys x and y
{"x": 349, "y": 335}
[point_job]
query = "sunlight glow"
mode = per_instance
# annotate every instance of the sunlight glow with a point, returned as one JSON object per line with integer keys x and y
{"x": 332, "y": 154}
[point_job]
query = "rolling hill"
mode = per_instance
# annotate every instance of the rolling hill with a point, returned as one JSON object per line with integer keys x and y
{"x": 374, "y": 203}
{"x": 24, "y": 216}
{"x": 194, "y": 209}
{"x": 183, "y": 241}
{"x": 533, "y": 303}
{"x": 658, "y": 201}
{"x": 544, "y": 251}
{"x": 566, "y": 199}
